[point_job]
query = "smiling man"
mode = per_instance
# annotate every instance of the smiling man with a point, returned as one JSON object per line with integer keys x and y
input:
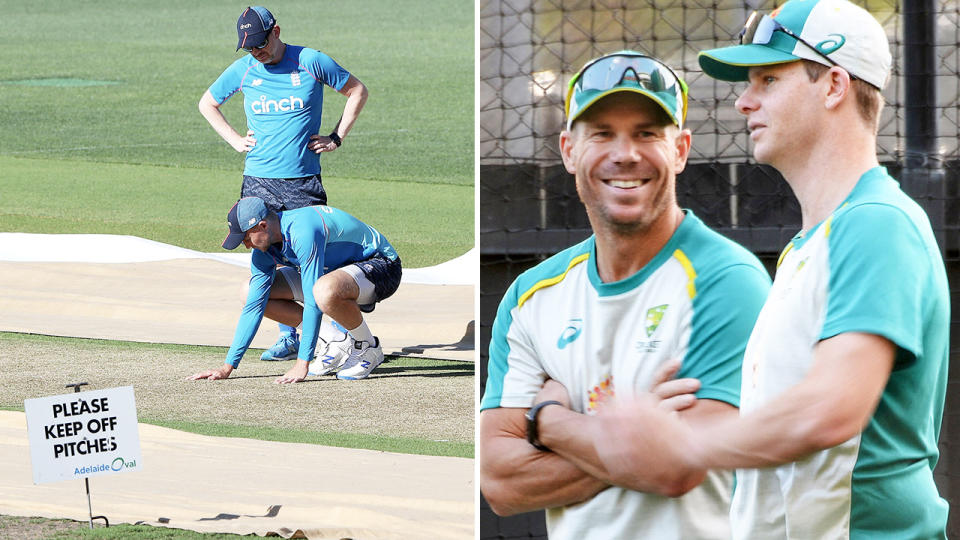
{"x": 331, "y": 262}
{"x": 282, "y": 88}
{"x": 845, "y": 374}
{"x": 652, "y": 294}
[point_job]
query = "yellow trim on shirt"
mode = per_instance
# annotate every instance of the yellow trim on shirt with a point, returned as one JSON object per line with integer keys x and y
{"x": 688, "y": 268}
{"x": 551, "y": 281}
{"x": 784, "y": 253}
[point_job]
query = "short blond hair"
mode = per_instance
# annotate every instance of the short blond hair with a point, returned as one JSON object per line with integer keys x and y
{"x": 869, "y": 99}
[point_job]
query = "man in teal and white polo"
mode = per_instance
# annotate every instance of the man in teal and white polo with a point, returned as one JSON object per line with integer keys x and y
{"x": 653, "y": 292}
{"x": 845, "y": 374}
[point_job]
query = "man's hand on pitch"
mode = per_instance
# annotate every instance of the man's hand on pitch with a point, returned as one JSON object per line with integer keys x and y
{"x": 321, "y": 143}
{"x": 295, "y": 374}
{"x": 221, "y": 372}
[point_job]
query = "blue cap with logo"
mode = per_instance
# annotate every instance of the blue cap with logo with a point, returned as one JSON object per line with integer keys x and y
{"x": 253, "y": 26}
{"x": 829, "y": 32}
{"x": 246, "y": 213}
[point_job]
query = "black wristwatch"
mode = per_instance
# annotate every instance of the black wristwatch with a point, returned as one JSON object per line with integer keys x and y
{"x": 336, "y": 139}
{"x": 532, "y": 431}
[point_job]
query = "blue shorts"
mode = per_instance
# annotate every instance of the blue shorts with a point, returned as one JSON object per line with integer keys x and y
{"x": 384, "y": 274}
{"x": 285, "y": 193}
{"x": 378, "y": 271}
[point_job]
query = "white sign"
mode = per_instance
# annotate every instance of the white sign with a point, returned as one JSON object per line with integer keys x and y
{"x": 83, "y": 434}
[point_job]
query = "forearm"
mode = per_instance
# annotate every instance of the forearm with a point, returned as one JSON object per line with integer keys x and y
{"x": 515, "y": 477}
{"x": 351, "y": 111}
{"x": 571, "y": 435}
{"x": 830, "y": 405}
{"x": 789, "y": 428}
{"x": 210, "y": 110}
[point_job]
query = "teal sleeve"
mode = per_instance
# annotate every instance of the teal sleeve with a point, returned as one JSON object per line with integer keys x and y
{"x": 725, "y": 309}
{"x": 499, "y": 350}
{"x": 878, "y": 269}
{"x": 262, "y": 271}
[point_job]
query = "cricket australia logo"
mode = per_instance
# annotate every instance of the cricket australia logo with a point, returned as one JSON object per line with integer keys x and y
{"x": 654, "y": 316}
{"x": 653, "y": 320}
{"x": 570, "y": 333}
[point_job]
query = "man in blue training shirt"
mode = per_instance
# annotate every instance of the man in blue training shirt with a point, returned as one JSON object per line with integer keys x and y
{"x": 283, "y": 101}
{"x": 331, "y": 262}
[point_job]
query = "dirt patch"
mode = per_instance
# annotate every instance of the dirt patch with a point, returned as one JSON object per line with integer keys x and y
{"x": 425, "y": 399}
{"x": 18, "y": 528}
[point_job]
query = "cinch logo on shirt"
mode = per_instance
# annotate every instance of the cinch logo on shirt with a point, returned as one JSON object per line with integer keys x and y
{"x": 265, "y": 105}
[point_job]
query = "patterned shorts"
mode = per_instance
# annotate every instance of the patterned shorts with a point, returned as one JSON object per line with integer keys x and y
{"x": 285, "y": 193}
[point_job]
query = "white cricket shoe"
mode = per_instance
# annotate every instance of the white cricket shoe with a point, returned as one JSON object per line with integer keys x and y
{"x": 364, "y": 357}
{"x": 331, "y": 356}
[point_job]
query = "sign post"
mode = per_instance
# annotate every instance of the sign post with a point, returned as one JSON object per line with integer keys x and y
{"x": 83, "y": 434}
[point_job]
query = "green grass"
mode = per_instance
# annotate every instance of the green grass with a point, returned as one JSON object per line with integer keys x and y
{"x": 140, "y": 532}
{"x": 165, "y": 205}
{"x": 135, "y": 157}
{"x": 15, "y": 527}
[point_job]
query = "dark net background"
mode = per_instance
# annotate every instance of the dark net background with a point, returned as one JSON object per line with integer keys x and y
{"x": 529, "y": 209}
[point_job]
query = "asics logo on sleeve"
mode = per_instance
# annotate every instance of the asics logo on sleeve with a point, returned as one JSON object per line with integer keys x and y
{"x": 265, "y": 105}
{"x": 570, "y": 333}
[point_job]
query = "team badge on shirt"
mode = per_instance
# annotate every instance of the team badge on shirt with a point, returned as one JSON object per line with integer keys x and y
{"x": 295, "y": 78}
{"x": 654, "y": 316}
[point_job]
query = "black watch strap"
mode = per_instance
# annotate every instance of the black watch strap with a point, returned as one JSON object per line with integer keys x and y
{"x": 336, "y": 139}
{"x": 532, "y": 430}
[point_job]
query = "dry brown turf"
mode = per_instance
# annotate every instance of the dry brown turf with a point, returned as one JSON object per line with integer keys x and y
{"x": 408, "y": 398}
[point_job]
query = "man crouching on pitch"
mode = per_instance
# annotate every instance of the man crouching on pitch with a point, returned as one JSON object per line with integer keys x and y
{"x": 330, "y": 262}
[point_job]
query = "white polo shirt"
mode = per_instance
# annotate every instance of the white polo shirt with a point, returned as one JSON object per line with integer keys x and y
{"x": 696, "y": 300}
{"x": 874, "y": 267}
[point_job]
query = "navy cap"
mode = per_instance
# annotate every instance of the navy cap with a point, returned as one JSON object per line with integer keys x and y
{"x": 253, "y": 26}
{"x": 242, "y": 217}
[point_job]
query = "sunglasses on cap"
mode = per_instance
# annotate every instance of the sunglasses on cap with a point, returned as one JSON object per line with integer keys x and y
{"x": 627, "y": 70}
{"x": 759, "y": 30}
{"x": 266, "y": 39}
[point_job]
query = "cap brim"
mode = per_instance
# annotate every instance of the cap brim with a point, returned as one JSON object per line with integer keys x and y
{"x": 233, "y": 240}
{"x": 734, "y": 63}
{"x": 249, "y": 40}
{"x": 652, "y": 96}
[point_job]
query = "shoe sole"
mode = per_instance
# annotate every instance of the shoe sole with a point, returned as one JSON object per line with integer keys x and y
{"x": 354, "y": 378}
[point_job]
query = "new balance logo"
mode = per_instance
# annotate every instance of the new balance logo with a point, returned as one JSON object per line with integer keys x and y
{"x": 265, "y": 105}
{"x": 256, "y": 82}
